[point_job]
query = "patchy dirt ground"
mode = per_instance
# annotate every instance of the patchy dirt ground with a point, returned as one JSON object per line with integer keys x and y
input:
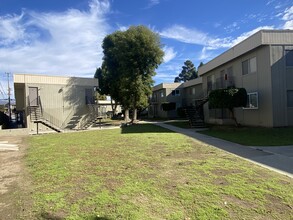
{"x": 13, "y": 185}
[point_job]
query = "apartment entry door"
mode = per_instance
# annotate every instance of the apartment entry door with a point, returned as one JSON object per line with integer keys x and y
{"x": 33, "y": 96}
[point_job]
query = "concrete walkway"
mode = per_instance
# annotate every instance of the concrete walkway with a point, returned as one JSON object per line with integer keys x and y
{"x": 279, "y": 159}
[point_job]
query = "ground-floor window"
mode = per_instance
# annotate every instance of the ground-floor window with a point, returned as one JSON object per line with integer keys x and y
{"x": 290, "y": 98}
{"x": 289, "y": 58}
{"x": 252, "y": 100}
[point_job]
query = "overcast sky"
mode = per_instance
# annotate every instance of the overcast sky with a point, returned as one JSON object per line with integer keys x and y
{"x": 64, "y": 37}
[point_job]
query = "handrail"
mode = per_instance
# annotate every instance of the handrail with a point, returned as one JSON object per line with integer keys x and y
{"x": 67, "y": 119}
{"x": 45, "y": 116}
{"x": 89, "y": 117}
{"x": 51, "y": 119}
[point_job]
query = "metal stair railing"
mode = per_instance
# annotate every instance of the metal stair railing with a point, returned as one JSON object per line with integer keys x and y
{"x": 88, "y": 118}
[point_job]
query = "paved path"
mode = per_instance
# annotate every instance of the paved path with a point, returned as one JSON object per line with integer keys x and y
{"x": 5, "y": 146}
{"x": 279, "y": 159}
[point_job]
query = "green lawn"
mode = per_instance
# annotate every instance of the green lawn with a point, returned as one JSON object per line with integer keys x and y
{"x": 181, "y": 124}
{"x": 253, "y": 136}
{"x": 147, "y": 172}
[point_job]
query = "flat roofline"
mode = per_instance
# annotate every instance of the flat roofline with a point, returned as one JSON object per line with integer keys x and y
{"x": 47, "y": 75}
{"x": 20, "y": 78}
{"x": 262, "y": 37}
{"x": 166, "y": 86}
{"x": 189, "y": 83}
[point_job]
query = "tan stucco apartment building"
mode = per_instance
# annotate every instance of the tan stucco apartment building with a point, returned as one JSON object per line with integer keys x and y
{"x": 262, "y": 64}
{"x": 183, "y": 94}
{"x": 54, "y": 102}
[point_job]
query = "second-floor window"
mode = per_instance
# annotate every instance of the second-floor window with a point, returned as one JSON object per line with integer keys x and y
{"x": 210, "y": 83}
{"x": 176, "y": 92}
{"x": 249, "y": 66}
{"x": 289, "y": 58}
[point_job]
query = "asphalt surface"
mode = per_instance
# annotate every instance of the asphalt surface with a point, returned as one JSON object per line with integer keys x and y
{"x": 278, "y": 159}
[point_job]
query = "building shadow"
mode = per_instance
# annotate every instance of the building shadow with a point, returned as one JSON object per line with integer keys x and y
{"x": 143, "y": 128}
{"x": 79, "y": 103}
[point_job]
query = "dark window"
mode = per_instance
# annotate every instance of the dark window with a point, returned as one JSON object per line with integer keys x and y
{"x": 290, "y": 98}
{"x": 176, "y": 92}
{"x": 89, "y": 96}
{"x": 229, "y": 77}
{"x": 252, "y": 100}
{"x": 249, "y": 66}
{"x": 33, "y": 96}
{"x": 289, "y": 58}
{"x": 210, "y": 83}
{"x": 245, "y": 67}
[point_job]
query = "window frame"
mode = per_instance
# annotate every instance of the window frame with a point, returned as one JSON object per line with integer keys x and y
{"x": 286, "y": 52}
{"x": 249, "y": 66}
{"x": 248, "y": 101}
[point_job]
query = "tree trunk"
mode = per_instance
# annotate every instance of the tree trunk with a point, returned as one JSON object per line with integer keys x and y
{"x": 134, "y": 115}
{"x": 114, "y": 107}
{"x": 126, "y": 115}
{"x": 233, "y": 117}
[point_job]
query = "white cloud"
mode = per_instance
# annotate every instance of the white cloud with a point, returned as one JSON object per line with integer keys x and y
{"x": 270, "y": 2}
{"x": 288, "y": 18}
{"x": 193, "y": 36}
{"x": 10, "y": 30}
{"x": 164, "y": 77}
{"x": 169, "y": 54}
{"x": 66, "y": 43}
{"x": 205, "y": 55}
{"x": 152, "y": 3}
{"x": 288, "y": 14}
{"x": 185, "y": 35}
{"x": 288, "y": 25}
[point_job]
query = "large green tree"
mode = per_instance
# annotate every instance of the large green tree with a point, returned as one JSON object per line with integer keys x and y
{"x": 188, "y": 72}
{"x": 229, "y": 98}
{"x": 129, "y": 63}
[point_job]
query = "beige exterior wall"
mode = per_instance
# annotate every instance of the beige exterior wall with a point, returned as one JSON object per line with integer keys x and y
{"x": 282, "y": 81}
{"x": 272, "y": 80}
{"x": 259, "y": 82}
{"x": 165, "y": 95}
{"x": 189, "y": 92}
{"x": 63, "y": 99}
{"x": 192, "y": 91}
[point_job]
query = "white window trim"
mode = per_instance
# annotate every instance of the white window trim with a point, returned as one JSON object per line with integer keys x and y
{"x": 252, "y": 108}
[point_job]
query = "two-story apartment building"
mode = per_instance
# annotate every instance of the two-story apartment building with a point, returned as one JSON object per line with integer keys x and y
{"x": 182, "y": 94}
{"x": 263, "y": 65}
{"x": 54, "y": 102}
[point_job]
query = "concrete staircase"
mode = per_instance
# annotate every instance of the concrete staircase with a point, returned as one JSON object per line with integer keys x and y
{"x": 195, "y": 114}
{"x": 36, "y": 116}
{"x": 195, "y": 119}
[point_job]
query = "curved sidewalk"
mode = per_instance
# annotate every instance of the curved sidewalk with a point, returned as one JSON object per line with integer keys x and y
{"x": 268, "y": 157}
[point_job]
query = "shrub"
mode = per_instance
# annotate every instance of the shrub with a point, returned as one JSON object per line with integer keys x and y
{"x": 229, "y": 98}
{"x": 168, "y": 106}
